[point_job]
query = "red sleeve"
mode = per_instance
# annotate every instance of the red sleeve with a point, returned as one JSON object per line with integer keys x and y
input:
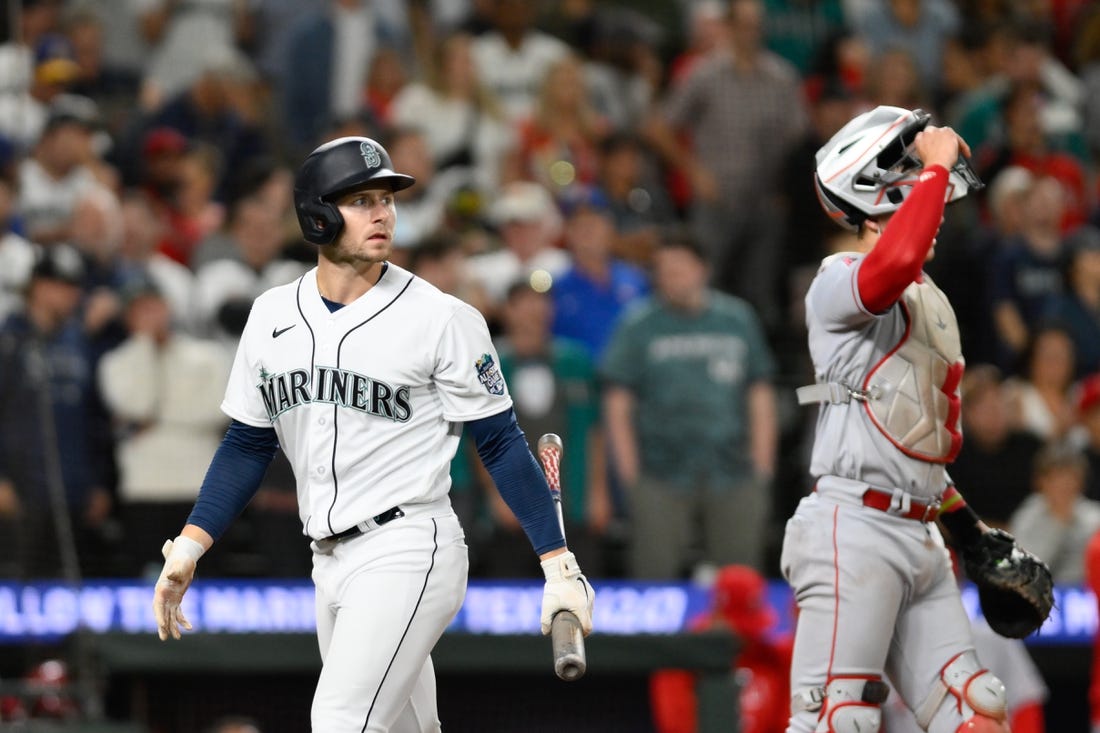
{"x": 897, "y": 259}
{"x": 672, "y": 697}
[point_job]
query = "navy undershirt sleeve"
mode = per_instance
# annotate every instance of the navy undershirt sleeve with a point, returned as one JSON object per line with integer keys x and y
{"x": 521, "y": 483}
{"x": 234, "y": 476}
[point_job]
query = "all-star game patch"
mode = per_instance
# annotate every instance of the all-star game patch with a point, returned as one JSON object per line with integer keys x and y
{"x": 488, "y": 373}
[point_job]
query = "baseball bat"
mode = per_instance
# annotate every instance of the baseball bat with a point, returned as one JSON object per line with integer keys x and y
{"x": 566, "y": 636}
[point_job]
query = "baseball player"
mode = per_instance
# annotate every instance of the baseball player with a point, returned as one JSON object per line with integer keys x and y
{"x": 365, "y": 376}
{"x": 868, "y": 565}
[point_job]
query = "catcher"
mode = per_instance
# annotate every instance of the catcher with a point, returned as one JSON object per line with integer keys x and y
{"x": 863, "y": 554}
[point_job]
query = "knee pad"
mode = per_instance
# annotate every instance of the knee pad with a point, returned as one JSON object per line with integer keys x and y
{"x": 973, "y": 692}
{"x": 845, "y": 704}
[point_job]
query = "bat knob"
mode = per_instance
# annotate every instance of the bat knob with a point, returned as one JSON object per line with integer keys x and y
{"x": 551, "y": 440}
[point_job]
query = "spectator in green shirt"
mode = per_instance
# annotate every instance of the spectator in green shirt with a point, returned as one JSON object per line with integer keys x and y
{"x": 691, "y": 418}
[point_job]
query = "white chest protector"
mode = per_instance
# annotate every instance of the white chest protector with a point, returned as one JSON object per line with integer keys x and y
{"x": 912, "y": 394}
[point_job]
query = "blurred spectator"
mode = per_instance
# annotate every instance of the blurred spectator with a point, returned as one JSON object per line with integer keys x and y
{"x": 141, "y": 233}
{"x": 795, "y": 29}
{"x": 893, "y": 79}
{"x": 218, "y": 109}
{"x": 843, "y": 59}
{"x": 744, "y": 113}
{"x": 1040, "y": 399}
{"x": 1088, "y": 65}
{"x": 529, "y": 224}
{"x": 1026, "y": 271}
{"x": 16, "y": 253}
{"x": 462, "y": 122}
{"x": 1018, "y": 56}
{"x": 708, "y": 34}
{"x": 175, "y": 30}
{"x": 189, "y": 212}
{"x": 993, "y": 468}
{"x": 25, "y": 108}
{"x": 920, "y": 27}
{"x": 386, "y": 77}
{"x": 112, "y": 87}
{"x": 761, "y": 667}
{"x": 57, "y": 173}
{"x": 553, "y": 388}
{"x": 424, "y": 205}
{"x": 51, "y": 418}
{"x": 691, "y": 419}
{"x": 1088, "y": 416}
{"x": 443, "y": 262}
{"x": 1057, "y": 521}
{"x": 1078, "y": 309}
{"x": 1025, "y": 143}
{"x": 638, "y": 203}
{"x": 326, "y": 64}
{"x": 225, "y": 288}
{"x": 558, "y": 144}
{"x": 163, "y": 390}
{"x": 590, "y": 295}
{"x": 513, "y": 58}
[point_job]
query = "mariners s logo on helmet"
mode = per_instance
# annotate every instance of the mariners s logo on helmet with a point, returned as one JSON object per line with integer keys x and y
{"x": 370, "y": 155}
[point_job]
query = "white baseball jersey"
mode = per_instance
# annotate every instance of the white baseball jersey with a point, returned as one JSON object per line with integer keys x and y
{"x": 366, "y": 401}
{"x": 845, "y": 341}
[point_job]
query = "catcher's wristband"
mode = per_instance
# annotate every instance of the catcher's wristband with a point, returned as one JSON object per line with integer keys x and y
{"x": 960, "y": 520}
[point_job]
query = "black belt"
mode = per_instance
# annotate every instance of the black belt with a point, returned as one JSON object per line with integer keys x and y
{"x": 379, "y": 519}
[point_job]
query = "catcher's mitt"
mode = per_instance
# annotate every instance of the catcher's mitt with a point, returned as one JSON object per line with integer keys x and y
{"x": 1015, "y": 587}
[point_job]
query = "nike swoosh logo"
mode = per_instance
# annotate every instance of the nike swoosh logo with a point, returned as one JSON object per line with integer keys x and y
{"x": 277, "y": 332}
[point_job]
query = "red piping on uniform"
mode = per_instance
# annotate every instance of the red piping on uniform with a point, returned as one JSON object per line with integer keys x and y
{"x": 836, "y": 603}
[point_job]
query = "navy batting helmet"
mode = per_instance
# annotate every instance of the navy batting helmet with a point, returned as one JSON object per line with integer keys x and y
{"x": 335, "y": 168}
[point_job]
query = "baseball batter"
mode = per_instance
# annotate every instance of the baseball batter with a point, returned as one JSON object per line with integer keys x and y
{"x": 867, "y": 563}
{"x": 365, "y": 376}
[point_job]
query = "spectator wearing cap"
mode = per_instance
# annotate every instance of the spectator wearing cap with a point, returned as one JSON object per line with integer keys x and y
{"x": 1088, "y": 418}
{"x": 162, "y": 389}
{"x": 739, "y": 604}
{"x": 529, "y": 224}
{"x": 1078, "y": 309}
{"x": 50, "y": 415}
{"x": 24, "y": 112}
{"x": 1057, "y": 521}
{"x": 589, "y": 296}
{"x": 62, "y": 168}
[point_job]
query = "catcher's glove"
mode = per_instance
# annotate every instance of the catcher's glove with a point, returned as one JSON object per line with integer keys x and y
{"x": 1015, "y": 587}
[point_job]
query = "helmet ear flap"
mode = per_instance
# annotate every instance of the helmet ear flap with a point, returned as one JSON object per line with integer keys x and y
{"x": 321, "y": 221}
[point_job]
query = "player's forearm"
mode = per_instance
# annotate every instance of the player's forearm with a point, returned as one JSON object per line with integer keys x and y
{"x": 961, "y": 521}
{"x": 519, "y": 480}
{"x": 898, "y": 257}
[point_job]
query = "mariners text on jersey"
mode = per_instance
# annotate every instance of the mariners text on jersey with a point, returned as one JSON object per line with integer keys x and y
{"x": 282, "y": 392}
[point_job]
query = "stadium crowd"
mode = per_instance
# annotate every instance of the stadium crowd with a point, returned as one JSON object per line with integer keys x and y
{"x": 624, "y": 189}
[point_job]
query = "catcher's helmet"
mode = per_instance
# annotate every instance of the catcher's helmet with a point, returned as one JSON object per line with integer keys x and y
{"x": 335, "y": 168}
{"x": 868, "y": 167}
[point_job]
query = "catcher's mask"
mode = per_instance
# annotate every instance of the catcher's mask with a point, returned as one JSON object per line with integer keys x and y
{"x": 336, "y": 168}
{"x": 869, "y": 166}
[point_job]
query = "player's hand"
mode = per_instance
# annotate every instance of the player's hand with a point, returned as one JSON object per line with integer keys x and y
{"x": 566, "y": 590}
{"x": 180, "y": 558}
{"x": 940, "y": 146}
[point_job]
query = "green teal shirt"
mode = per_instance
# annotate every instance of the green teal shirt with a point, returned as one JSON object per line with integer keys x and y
{"x": 690, "y": 374}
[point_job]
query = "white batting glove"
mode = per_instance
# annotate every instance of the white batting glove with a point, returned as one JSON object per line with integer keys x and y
{"x": 566, "y": 590}
{"x": 180, "y": 558}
